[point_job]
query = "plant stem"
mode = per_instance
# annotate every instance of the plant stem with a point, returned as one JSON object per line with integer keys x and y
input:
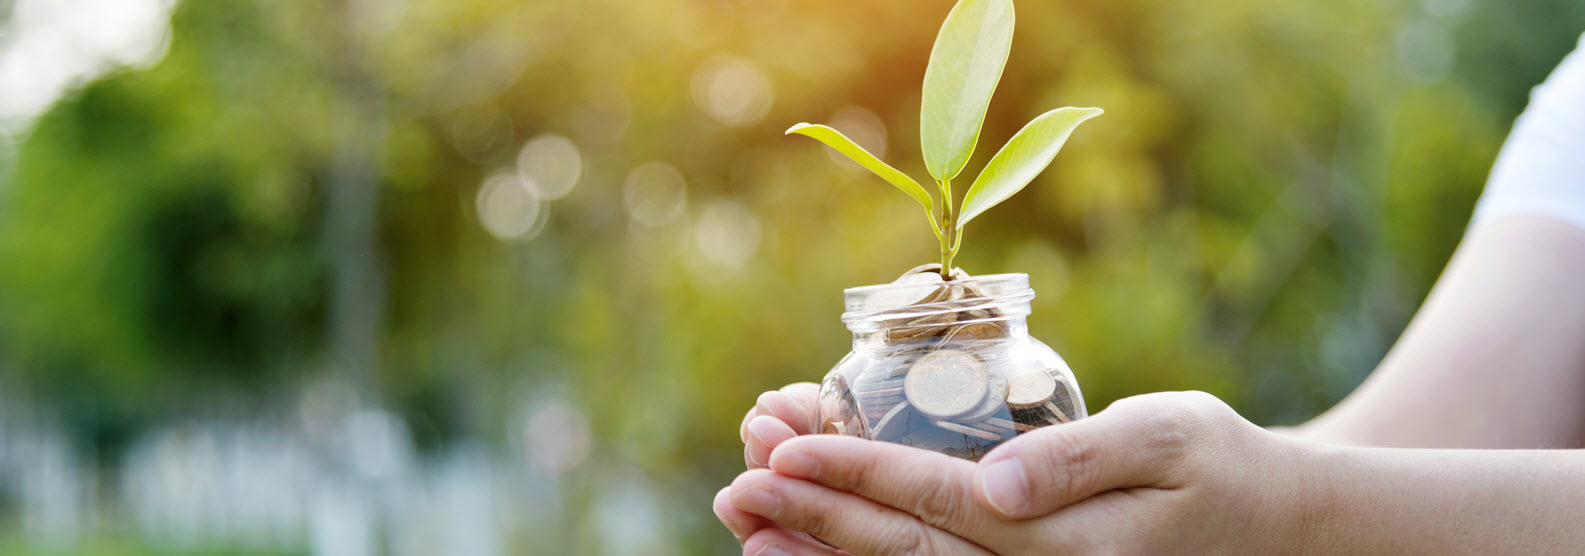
{"x": 949, "y": 240}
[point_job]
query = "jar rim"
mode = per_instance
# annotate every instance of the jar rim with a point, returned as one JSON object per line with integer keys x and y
{"x": 1021, "y": 277}
{"x": 1009, "y": 293}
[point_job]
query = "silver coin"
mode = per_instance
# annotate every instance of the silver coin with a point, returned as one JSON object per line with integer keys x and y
{"x": 1057, "y": 413}
{"x": 946, "y": 383}
{"x": 957, "y": 273}
{"x": 967, "y": 430}
{"x": 909, "y": 290}
{"x": 999, "y": 424}
{"x": 879, "y": 392}
{"x": 1030, "y": 389}
{"x": 1063, "y": 398}
{"x": 995, "y": 399}
{"x": 886, "y": 421}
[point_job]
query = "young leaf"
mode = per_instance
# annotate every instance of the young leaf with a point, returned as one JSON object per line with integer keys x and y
{"x": 834, "y": 139}
{"x": 965, "y": 65}
{"x": 1021, "y": 159}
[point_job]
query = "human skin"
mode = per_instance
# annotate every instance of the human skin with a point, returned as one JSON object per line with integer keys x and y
{"x": 1492, "y": 360}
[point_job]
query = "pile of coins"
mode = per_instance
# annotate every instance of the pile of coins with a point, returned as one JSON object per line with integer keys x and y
{"x": 946, "y": 382}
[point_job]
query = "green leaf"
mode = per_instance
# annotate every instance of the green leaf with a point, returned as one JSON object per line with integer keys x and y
{"x": 1021, "y": 159}
{"x": 965, "y": 65}
{"x": 834, "y": 139}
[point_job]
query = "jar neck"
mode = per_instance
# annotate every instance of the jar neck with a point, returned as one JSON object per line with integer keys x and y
{"x": 897, "y": 339}
{"x": 901, "y": 315}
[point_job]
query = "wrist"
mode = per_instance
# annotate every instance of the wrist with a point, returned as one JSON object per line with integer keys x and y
{"x": 1310, "y": 498}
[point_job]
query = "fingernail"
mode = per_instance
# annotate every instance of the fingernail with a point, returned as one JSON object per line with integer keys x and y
{"x": 757, "y": 501}
{"x": 762, "y": 404}
{"x": 795, "y": 463}
{"x": 768, "y": 431}
{"x": 748, "y": 453}
{"x": 1005, "y": 485}
{"x": 772, "y": 550}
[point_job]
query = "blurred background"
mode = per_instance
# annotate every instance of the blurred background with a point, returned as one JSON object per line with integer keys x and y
{"x": 502, "y": 276}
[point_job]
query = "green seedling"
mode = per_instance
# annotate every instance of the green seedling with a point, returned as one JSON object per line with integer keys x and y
{"x": 965, "y": 66}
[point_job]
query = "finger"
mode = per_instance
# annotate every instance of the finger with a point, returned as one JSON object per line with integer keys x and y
{"x": 841, "y": 519}
{"x": 796, "y": 401}
{"x": 764, "y": 434}
{"x": 1131, "y": 444}
{"x": 742, "y": 430}
{"x": 794, "y": 404}
{"x": 742, "y": 524}
{"x": 775, "y": 541}
{"x": 934, "y": 487}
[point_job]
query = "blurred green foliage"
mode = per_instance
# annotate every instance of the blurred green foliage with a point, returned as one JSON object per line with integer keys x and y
{"x": 1273, "y": 190}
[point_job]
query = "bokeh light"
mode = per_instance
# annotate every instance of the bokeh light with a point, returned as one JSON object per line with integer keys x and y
{"x": 863, "y": 127}
{"x": 726, "y": 234}
{"x": 552, "y": 163}
{"x": 557, "y": 438}
{"x": 732, "y": 89}
{"x": 655, "y": 194}
{"x": 501, "y": 277}
{"x": 508, "y": 207}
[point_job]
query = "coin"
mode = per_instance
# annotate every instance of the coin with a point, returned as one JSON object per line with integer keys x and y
{"x": 1063, "y": 398}
{"x": 957, "y": 273}
{"x": 999, "y": 424}
{"x": 1000, "y": 432}
{"x": 995, "y": 398}
{"x": 963, "y": 429}
{"x": 882, "y": 427}
{"x": 976, "y": 331}
{"x": 927, "y": 267}
{"x": 911, "y": 289}
{"x": 946, "y": 383}
{"x": 882, "y": 392}
{"x": 1057, "y": 413}
{"x": 1030, "y": 389}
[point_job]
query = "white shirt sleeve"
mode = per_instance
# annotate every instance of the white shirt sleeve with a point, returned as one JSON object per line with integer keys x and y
{"x": 1541, "y": 169}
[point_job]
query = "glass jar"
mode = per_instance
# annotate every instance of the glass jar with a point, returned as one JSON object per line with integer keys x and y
{"x": 945, "y": 365}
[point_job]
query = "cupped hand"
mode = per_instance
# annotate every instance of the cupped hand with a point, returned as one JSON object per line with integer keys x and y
{"x": 1169, "y": 472}
{"x": 777, "y": 416}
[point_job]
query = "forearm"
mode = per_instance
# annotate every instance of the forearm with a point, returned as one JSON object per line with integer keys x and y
{"x": 1390, "y": 500}
{"x": 1493, "y": 359}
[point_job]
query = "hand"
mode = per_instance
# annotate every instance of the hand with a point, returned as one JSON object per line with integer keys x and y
{"x": 777, "y": 416}
{"x": 1170, "y": 472}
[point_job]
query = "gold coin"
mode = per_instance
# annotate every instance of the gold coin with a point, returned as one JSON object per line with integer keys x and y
{"x": 976, "y": 331}
{"x": 1030, "y": 389}
{"x": 946, "y": 383}
{"x": 931, "y": 325}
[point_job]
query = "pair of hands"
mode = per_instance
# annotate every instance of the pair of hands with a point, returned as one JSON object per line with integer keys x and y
{"x": 1168, "y": 472}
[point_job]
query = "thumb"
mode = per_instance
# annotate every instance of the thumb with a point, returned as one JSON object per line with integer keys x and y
{"x": 1133, "y": 443}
